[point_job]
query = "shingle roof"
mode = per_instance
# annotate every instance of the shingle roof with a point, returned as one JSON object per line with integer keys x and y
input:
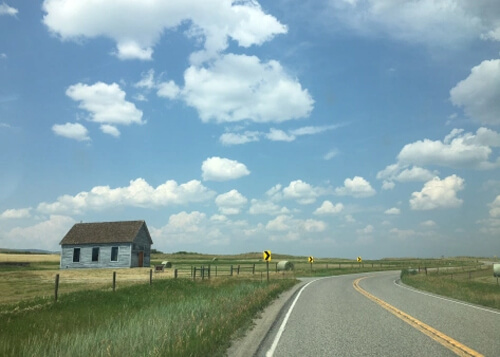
{"x": 104, "y": 232}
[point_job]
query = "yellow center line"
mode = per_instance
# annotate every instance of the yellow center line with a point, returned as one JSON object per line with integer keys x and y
{"x": 448, "y": 342}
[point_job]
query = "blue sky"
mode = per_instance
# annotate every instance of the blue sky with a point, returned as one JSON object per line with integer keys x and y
{"x": 331, "y": 128}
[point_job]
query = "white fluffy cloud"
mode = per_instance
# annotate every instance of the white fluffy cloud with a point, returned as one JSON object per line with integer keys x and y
{"x": 403, "y": 173}
{"x": 106, "y": 104}
{"x": 288, "y": 224}
{"x": 74, "y": 131}
{"x": 428, "y": 22}
{"x": 138, "y": 194}
{"x": 301, "y": 191}
{"x": 267, "y": 207}
{"x": 328, "y": 208}
{"x": 393, "y": 211}
{"x": 239, "y": 87}
{"x": 495, "y": 208}
{"x": 367, "y": 230}
{"x": 438, "y": 193}
{"x": 16, "y": 213}
{"x": 222, "y": 169}
{"x": 7, "y": 10}
{"x": 479, "y": 93}
{"x": 457, "y": 150}
{"x": 230, "y": 202}
{"x": 356, "y": 187}
{"x": 137, "y": 28}
{"x": 43, "y": 235}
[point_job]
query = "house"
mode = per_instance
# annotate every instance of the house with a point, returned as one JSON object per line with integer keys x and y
{"x": 124, "y": 244}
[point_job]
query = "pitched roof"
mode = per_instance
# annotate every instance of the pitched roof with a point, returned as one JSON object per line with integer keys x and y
{"x": 104, "y": 232}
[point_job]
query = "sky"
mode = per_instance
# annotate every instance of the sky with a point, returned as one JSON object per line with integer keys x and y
{"x": 325, "y": 128}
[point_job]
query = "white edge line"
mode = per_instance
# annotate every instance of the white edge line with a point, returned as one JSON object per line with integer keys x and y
{"x": 446, "y": 299}
{"x": 270, "y": 352}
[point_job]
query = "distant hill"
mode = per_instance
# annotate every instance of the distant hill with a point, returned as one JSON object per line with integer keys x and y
{"x": 26, "y": 251}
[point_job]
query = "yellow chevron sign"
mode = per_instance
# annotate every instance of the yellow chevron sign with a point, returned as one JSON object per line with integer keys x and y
{"x": 359, "y": 259}
{"x": 311, "y": 259}
{"x": 266, "y": 255}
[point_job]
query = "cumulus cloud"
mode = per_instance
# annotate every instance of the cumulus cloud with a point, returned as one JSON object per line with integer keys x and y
{"x": 357, "y": 187}
{"x": 7, "y": 10}
{"x": 403, "y": 173}
{"x": 137, "y": 194}
{"x": 239, "y": 87}
{"x": 438, "y": 193}
{"x": 222, "y": 169}
{"x": 136, "y": 28}
{"x": 328, "y": 208}
{"x": 367, "y": 230}
{"x": 478, "y": 94}
{"x": 495, "y": 208}
{"x": 266, "y": 207}
{"x": 43, "y": 235}
{"x": 288, "y": 224}
{"x": 74, "y": 131}
{"x": 16, "y": 213}
{"x": 429, "y": 223}
{"x": 393, "y": 211}
{"x": 106, "y": 104}
{"x": 428, "y": 22}
{"x": 230, "y": 202}
{"x": 457, "y": 150}
{"x": 301, "y": 191}
{"x": 279, "y": 135}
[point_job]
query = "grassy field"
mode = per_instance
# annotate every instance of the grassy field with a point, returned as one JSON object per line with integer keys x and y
{"x": 175, "y": 317}
{"x": 477, "y": 286}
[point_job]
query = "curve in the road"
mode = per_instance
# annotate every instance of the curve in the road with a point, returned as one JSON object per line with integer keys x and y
{"x": 450, "y": 343}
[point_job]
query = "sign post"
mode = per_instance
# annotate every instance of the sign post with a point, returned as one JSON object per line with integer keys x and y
{"x": 311, "y": 260}
{"x": 267, "y": 257}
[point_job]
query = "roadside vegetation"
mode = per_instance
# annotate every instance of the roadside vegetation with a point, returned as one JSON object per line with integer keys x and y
{"x": 177, "y": 317}
{"x": 473, "y": 284}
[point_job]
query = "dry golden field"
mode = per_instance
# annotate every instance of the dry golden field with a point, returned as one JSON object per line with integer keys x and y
{"x": 38, "y": 280}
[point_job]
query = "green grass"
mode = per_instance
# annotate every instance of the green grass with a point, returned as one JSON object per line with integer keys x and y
{"x": 171, "y": 318}
{"x": 474, "y": 286}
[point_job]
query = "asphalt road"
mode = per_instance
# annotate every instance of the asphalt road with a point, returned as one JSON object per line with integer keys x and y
{"x": 329, "y": 317}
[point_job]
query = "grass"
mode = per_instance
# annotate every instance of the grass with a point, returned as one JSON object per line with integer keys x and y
{"x": 476, "y": 286}
{"x": 172, "y": 317}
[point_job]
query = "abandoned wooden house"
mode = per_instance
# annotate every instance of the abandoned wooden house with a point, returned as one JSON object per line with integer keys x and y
{"x": 124, "y": 244}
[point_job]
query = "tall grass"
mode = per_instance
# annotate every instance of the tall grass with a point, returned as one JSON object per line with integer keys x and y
{"x": 479, "y": 287}
{"x": 171, "y": 318}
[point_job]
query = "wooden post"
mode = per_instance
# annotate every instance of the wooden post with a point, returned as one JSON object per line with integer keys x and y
{"x": 231, "y": 271}
{"x": 56, "y": 290}
{"x": 114, "y": 280}
{"x": 150, "y": 277}
{"x": 202, "y": 272}
{"x": 175, "y": 273}
{"x": 238, "y": 271}
{"x": 216, "y": 270}
{"x": 267, "y": 264}
{"x": 209, "y": 269}
{"x": 194, "y": 273}
{"x": 253, "y": 269}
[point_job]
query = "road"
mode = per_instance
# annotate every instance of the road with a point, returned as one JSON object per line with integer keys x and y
{"x": 331, "y": 317}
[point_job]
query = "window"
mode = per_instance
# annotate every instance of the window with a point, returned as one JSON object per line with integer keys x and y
{"x": 95, "y": 254}
{"x": 76, "y": 255}
{"x": 114, "y": 254}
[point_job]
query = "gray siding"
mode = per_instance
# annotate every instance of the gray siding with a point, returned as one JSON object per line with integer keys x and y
{"x": 141, "y": 244}
{"x": 104, "y": 260}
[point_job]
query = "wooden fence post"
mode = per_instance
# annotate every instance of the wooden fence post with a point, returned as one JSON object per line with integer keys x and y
{"x": 150, "y": 277}
{"x": 231, "y": 271}
{"x": 253, "y": 269}
{"x": 194, "y": 273}
{"x": 56, "y": 290}
{"x": 114, "y": 280}
{"x": 175, "y": 273}
{"x": 238, "y": 271}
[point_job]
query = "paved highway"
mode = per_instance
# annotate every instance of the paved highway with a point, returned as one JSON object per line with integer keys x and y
{"x": 374, "y": 316}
